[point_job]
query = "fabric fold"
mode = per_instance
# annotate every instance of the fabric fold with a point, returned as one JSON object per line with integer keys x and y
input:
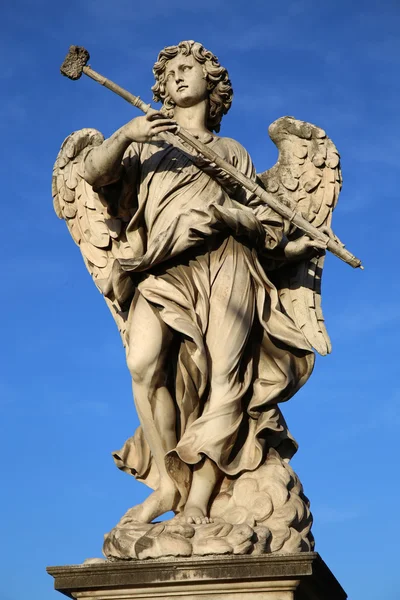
{"x": 195, "y": 259}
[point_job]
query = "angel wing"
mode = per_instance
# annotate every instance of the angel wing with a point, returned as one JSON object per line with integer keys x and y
{"x": 307, "y": 176}
{"x": 99, "y": 235}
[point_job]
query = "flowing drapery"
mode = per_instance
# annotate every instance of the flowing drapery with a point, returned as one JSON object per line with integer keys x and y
{"x": 195, "y": 249}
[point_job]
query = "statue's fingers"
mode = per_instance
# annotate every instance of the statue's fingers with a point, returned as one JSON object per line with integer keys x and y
{"x": 338, "y": 241}
{"x": 160, "y": 128}
{"x": 164, "y": 121}
{"x": 316, "y": 244}
{"x": 329, "y": 232}
{"x": 154, "y": 115}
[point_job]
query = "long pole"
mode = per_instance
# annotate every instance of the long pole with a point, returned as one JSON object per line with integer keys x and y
{"x": 282, "y": 209}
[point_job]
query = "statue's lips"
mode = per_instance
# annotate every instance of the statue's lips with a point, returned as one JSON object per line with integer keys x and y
{"x": 182, "y": 87}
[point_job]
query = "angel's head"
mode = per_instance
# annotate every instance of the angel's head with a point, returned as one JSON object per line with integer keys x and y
{"x": 189, "y": 71}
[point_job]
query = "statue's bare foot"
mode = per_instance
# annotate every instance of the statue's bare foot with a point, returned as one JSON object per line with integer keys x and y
{"x": 194, "y": 515}
{"x": 159, "y": 502}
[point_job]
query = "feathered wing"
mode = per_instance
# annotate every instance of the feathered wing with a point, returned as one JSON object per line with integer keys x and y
{"x": 99, "y": 235}
{"x": 307, "y": 176}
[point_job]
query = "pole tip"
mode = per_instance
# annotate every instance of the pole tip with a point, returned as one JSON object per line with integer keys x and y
{"x": 74, "y": 62}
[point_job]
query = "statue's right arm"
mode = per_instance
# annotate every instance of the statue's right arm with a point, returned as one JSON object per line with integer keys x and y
{"x": 102, "y": 164}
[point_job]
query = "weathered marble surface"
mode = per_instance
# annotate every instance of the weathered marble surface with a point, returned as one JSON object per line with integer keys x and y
{"x": 218, "y": 302}
{"x": 271, "y": 577}
{"x": 260, "y": 512}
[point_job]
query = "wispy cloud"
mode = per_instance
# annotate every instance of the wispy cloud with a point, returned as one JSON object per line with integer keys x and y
{"x": 332, "y": 515}
{"x": 15, "y": 58}
{"x": 123, "y": 11}
{"x": 382, "y": 148}
{"x": 367, "y": 318}
{"x": 246, "y": 32}
{"x": 380, "y": 417}
{"x": 95, "y": 408}
{"x": 13, "y": 111}
{"x": 8, "y": 395}
{"x": 386, "y": 50}
{"x": 259, "y": 96}
{"x": 356, "y": 204}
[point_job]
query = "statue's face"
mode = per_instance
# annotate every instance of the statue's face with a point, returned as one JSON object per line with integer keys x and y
{"x": 185, "y": 81}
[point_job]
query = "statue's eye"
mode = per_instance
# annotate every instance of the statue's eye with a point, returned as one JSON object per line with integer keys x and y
{"x": 186, "y": 68}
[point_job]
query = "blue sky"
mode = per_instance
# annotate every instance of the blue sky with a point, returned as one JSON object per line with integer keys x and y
{"x": 65, "y": 398}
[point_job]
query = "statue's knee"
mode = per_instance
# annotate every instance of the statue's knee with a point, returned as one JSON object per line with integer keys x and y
{"x": 220, "y": 377}
{"x": 138, "y": 368}
{"x": 144, "y": 370}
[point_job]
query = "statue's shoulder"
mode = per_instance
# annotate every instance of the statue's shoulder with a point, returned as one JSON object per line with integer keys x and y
{"x": 233, "y": 150}
{"x": 230, "y": 142}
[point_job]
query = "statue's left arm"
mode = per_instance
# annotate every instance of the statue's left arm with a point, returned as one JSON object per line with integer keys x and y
{"x": 307, "y": 178}
{"x": 272, "y": 223}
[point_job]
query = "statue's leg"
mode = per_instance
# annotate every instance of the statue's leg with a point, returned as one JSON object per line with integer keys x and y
{"x": 149, "y": 341}
{"x": 232, "y": 304}
{"x": 205, "y": 477}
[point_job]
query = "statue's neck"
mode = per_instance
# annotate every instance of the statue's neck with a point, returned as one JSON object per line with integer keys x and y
{"x": 193, "y": 118}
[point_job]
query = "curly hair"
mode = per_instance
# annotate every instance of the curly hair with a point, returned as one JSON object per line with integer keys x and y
{"x": 218, "y": 83}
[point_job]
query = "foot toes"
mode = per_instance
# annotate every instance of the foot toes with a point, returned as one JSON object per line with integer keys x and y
{"x": 196, "y": 515}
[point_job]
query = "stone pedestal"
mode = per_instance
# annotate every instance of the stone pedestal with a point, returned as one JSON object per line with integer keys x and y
{"x": 301, "y": 576}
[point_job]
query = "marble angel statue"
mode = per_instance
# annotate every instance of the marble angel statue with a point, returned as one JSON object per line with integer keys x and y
{"x": 216, "y": 296}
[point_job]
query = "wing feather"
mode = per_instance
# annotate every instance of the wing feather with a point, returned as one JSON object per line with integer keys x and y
{"x": 307, "y": 176}
{"x": 99, "y": 235}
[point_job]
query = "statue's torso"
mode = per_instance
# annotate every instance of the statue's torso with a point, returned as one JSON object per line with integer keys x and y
{"x": 169, "y": 184}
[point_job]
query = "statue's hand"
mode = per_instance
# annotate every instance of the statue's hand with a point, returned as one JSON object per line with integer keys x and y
{"x": 302, "y": 248}
{"x": 142, "y": 129}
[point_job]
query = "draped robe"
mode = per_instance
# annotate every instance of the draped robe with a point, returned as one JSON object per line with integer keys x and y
{"x": 201, "y": 254}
